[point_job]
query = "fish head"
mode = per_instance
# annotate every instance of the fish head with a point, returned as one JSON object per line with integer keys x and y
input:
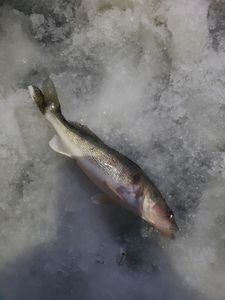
{"x": 158, "y": 214}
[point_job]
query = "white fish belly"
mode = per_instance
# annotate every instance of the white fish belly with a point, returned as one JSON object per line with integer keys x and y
{"x": 97, "y": 175}
{"x": 107, "y": 185}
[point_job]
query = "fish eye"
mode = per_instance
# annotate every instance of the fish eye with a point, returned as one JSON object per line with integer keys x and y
{"x": 171, "y": 215}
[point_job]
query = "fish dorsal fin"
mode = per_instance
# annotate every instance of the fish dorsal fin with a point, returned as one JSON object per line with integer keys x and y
{"x": 85, "y": 129}
{"x": 57, "y": 145}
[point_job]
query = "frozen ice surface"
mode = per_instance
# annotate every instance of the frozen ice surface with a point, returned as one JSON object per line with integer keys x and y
{"x": 149, "y": 78}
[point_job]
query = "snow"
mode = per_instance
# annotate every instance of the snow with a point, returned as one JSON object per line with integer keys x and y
{"x": 148, "y": 77}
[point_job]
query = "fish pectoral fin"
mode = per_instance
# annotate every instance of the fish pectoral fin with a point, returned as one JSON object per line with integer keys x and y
{"x": 101, "y": 199}
{"x": 125, "y": 192}
{"x": 57, "y": 145}
{"x": 130, "y": 195}
{"x": 120, "y": 191}
{"x": 113, "y": 189}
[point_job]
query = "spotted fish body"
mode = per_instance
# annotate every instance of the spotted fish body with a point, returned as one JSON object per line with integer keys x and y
{"x": 116, "y": 175}
{"x": 107, "y": 168}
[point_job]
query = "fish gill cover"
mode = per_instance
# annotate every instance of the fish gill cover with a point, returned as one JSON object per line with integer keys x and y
{"x": 149, "y": 78}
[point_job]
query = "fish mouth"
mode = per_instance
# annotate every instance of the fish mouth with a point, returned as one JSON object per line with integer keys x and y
{"x": 166, "y": 229}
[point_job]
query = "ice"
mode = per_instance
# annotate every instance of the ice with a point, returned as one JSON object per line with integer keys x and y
{"x": 17, "y": 49}
{"x": 148, "y": 77}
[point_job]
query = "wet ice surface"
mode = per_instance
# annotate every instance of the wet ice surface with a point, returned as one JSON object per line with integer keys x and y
{"x": 148, "y": 77}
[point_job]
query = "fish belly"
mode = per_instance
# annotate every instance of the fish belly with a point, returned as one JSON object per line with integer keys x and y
{"x": 106, "y": 184}
{"x": 98, "y": 176}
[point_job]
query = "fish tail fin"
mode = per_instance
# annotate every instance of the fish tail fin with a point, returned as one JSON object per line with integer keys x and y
{"x": 38, "y": 97}
{"x": 47, "y": 99}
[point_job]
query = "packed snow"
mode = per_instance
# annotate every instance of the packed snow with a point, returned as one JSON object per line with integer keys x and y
{"x": 148, "y": 77}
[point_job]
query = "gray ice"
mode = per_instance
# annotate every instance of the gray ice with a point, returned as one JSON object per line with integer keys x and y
{"x": 149, "y": 78}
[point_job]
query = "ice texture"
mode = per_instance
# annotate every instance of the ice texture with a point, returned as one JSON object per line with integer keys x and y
{"x": 149, "y": 78}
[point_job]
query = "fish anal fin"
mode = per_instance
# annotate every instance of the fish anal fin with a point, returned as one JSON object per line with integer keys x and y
{"x": 57, "y": 145}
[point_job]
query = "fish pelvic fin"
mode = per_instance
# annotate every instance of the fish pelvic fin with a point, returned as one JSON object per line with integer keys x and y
{"x": 47, "y": 99}
{"x": 57, "y": 145}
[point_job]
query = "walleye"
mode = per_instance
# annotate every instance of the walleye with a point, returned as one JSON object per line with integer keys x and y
{"x": 115, "y": 174}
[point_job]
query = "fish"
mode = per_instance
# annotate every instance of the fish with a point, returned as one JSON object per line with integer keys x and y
{"x": 117, "y": 176}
